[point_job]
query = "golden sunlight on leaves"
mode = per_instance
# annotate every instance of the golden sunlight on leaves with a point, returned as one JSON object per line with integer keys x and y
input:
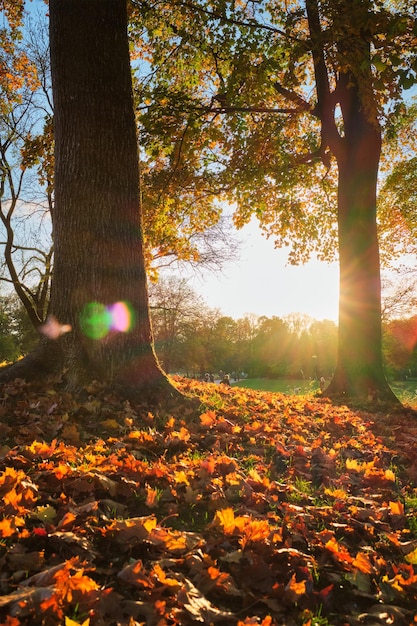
{"x": 68, "y": 584}
{"x": 290, "y": 502}
{"x": 208, "y": 419}
{"x": 226, "y": 520}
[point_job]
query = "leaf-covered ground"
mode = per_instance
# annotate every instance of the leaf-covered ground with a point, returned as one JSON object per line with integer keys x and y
{"x": 259, "y": 508}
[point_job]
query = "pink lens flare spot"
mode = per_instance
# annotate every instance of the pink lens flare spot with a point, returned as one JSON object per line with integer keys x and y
{"x": 53, "y": 329}
{"x": 121, "y": 317}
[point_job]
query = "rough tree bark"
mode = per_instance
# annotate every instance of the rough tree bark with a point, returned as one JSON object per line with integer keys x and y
{"x": 359, "y": 372}
{"x": 97, "y": 221}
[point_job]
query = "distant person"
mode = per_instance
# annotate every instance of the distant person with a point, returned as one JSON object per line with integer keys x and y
{"x": 207, "y": 377}
{"x": 226, "y": 380}
{"x": 322, "y": 383}
{"x": 221, "y": 375}
{"x": 212, "y": 378}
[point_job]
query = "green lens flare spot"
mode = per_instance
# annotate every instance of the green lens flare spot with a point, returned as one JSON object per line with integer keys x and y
{"x": 95, "y": 320}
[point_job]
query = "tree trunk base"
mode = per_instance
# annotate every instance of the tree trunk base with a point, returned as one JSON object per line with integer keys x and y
{"x": 47, "y": 363}
{"x": 44, "y": 361}
{"x": 372, "y": 394}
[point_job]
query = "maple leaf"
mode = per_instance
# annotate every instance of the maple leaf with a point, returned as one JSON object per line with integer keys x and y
{"x": 171, "y": 540}
{"x": 9, "y": 526}
{"x": 339, "y": 551}
{"x": 61, "y": 470}
{"x": 208, "y": 419}
{"x": 53, "y": 605}
{"x": 68, "y": 584}
{"x": 253, "y": 531}
{"x": 199, "y": 608}
{"x": 134, "y": 575}
{"x": 225, "y": 518}
{"x": 138, "y": 528}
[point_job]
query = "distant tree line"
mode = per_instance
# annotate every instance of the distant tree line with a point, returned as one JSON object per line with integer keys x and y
{"x": 191, "y": 338}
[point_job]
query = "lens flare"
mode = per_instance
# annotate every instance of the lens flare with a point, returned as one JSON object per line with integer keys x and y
{"x": 121, "y": 316}
{"x": 97, "y": 320}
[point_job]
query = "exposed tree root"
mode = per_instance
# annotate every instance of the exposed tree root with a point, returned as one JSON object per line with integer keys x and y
{"x": 46, "y": 362}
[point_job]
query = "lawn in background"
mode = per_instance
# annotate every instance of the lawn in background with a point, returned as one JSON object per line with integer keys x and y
{"x": 405, "y": 390}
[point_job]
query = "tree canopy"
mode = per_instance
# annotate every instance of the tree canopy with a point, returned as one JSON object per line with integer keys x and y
{"x": 281, "y": 109}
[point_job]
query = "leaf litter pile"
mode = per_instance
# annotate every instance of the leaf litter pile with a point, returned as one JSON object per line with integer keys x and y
{"x": 258, "y": 508}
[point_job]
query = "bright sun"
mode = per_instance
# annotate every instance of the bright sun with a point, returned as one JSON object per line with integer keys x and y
{"x": 263, "y": 283}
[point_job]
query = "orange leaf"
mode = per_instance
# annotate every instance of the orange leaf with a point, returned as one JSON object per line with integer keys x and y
{"x": 52, "y": 604}
{"x": 208, "y": 419}
{"x": 17, "y": 500}
{"x": 42, "y": 449}
{"x": 226, "y": 519}
{"x": 173, "y": 541}
{"x": 159, "y": 573}
{"x": 61, "y": 470}
{"x": 11, "y": 621}
{"x": 396, "y": 508}
{"x": 255, "y": 530}
{"x": 339, "y": 551}
{"x": 298, "y": 589}
{"x": 7, "y": 528}
{"x": 10, "y": 476}
{"x": 151, "y": 497}
{"x": 67, "y": 520}
{"x": 208, "y": 465}
{"x": 362, "y": 563}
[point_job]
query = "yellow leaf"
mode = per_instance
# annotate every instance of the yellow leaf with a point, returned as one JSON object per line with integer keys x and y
{"x": 389, "y": 475}
{"x": 411, "y": 557}
{"x": 181, "y": 477}
{"x": 226, "y": 519}
{"x": 338, "y": 494}
{"x": 71, "y": 622}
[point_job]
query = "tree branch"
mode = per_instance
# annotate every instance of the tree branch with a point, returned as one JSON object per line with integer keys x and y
{"x": 330, "y": 136}
{"x": 294, "y": 97}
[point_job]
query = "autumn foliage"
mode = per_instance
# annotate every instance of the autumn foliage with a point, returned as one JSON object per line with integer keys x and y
{"x": 259, "y": 508}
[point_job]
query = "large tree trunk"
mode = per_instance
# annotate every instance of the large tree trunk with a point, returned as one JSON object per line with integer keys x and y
{"x": 359, "y": 372}
{"x": 97, "y": 221}
{"x": 357, "y": 147}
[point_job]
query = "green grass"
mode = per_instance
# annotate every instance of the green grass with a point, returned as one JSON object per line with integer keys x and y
{"x": 282, "y": 385}
{"x": 405, "y": 390}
